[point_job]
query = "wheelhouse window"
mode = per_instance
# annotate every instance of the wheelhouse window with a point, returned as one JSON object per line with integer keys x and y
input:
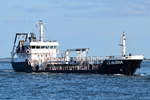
{"x": 51, "y": 47}
{"x": 47, "y": 47}
{"x": 37, "y": 47}
{"x": 32, "y": 47}
{"x": 43, "y": 47}
{"x": 54, "y": 47}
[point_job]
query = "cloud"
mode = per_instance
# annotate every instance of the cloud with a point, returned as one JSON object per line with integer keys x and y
{"x": 30, "y": 9}
{"x": 86, "y": 8}
{"x": 139, "y": 8}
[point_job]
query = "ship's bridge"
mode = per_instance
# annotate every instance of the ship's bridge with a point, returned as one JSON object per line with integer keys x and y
{"x": 49, "y": 48}
{"x": 39, "y": 43}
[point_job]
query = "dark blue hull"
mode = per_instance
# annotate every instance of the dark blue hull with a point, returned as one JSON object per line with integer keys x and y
{"x": 126, "y": 67}
{"x": 21, "y": 67}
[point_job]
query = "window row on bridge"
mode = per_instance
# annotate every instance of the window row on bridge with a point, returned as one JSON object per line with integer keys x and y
{"x": 43, "y": 47}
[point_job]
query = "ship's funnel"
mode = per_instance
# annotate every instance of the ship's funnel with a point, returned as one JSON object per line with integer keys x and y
{"x": 41, "y": 30}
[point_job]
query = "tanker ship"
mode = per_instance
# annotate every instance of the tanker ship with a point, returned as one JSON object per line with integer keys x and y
{"x": 30, "y": 54}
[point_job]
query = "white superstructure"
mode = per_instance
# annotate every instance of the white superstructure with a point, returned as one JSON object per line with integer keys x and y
{"x": 35, "y": 51}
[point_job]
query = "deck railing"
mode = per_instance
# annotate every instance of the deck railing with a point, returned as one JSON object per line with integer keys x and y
{"x": 78, "y": 60}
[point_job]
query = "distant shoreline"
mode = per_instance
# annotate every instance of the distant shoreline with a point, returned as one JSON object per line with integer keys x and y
{"x": 5, "y": 60}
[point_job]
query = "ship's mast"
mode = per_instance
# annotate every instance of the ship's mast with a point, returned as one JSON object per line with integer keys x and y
{"x": 41, "y": 30}
{"x": 123, "y": 44}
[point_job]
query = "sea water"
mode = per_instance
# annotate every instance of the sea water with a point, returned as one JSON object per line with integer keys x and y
{"x": 48, "y": 86}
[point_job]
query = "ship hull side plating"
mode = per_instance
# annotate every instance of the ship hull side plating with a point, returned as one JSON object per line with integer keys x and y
{"x": 21, "y": 67}
{"x": 126, "y": 67}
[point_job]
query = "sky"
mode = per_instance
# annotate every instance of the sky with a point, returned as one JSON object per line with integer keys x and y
{"x": 94, "y": 24}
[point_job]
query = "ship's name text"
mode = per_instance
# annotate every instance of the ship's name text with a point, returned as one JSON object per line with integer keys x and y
{"x": 114, "y": 62}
